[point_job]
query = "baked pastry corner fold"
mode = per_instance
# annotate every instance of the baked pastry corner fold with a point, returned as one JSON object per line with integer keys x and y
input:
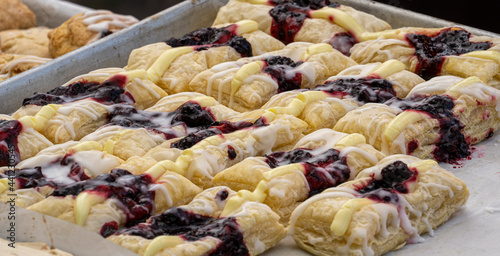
{"x": 204, "y": 229}
{"x": 386, "y": 206}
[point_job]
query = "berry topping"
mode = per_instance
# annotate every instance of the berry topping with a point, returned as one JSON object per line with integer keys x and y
{"x": 108, "y": 92}
{"x": 365, "y": 90}
{"x": 131, "y": 190}
{"x": 431, "y": 50}
{"x": 451, "y": 145}
{"x": 9, "y": 150}
{"x": 282, "y": 70}
{"x": 205, "y": 38}
{"x": 322, "y": 171}
{"x": 288, "y": 16}
{"x": 343, "y": 42}
{"x": 56, "y": 174}
{"x": 394, "y": 177}
{"x": 192, "y": 227}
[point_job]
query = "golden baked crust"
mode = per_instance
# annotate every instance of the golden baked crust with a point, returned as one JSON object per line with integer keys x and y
{"x": 250, "y": 217}
{"x": 246, "y": 85}
{"x": 85, "y": 28}
{"x": 32, "y": 41}
{"x": 15, "y": 15}
{"x": 283, "y": 183}
{"x": 475, "y": 63}
{"x": 353, "y": 219}
{"x": 313, "y": 30}
{"x": 14, "y": 64}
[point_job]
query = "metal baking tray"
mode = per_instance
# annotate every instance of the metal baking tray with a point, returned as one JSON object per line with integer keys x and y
{"x": 113, "y": 51}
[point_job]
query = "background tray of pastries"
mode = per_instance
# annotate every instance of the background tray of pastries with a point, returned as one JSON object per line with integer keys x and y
{"x": 471, "y": 225}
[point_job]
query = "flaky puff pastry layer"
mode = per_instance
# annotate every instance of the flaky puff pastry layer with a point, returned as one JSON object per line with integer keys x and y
{"x": 477, "y": 105}
{"x": 258, "y": 224}
{"x": 93, "y": 211}
{"x": 57, "y": 165}
{"x": 145, "y": 92}
{"x": 313, "y": 30}
{"x": 402, "y": 81}
{"x": 201, "y": 162}
{"x": 175, "y": 76}
{"x": 126, "y": 142}
{"x": 465, "y": 65}
{"x": 341, "y": 221}
{"x": 245, "y": 85}
{"x": 288, "y": 184}
{"x": 14, "y": 64}
{"x": 318, "y": 109}
{"x": 29, "y": 142}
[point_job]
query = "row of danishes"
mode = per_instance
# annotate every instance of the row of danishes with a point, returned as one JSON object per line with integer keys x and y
{"x": 253, "y": 160}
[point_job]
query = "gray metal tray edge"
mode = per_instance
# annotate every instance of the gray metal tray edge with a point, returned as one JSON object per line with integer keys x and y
{"x": 175, "y": 21}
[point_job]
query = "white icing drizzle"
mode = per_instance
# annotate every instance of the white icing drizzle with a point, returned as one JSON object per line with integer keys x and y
{"x": 367, "y": 52}
{"x": 328, "y": 136}
{"x": 6, "y": 70}
{"x": 437, "y": 84}
{"x": 100, "y": 21}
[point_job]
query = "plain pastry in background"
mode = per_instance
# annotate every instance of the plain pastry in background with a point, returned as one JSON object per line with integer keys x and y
{"x": 33, "y": 41}
{"x": 15, "y": 15}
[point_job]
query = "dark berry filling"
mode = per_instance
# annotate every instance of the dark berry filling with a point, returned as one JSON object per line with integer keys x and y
{"x": 205, "y": 38}
{"x": 109, "y": 228}
{"x": 222, "y": 195}
{"x": 188, "y": 115}
{"x": 289, "y": 16}
{"x": 394, "y": 179}
{"x": 365, "y": 90}
{"x": 108, "y": 92}
{"x": 452, "y": 145}
{"x": 192, "y": 227}
{"x": 9, "y": 150}
{"x": 343, "y": 42}
{"x": 131, "y": 190}
{"x": 51, "y": 174}
{"x": 313, "y": 4}
{"x": 431, "y": 50}
{"x": 231, "y": 153}
{"x": 196, "y": 121}
{"x": 287, "y": 21}
{"x": 278, "y": 67}
{"x": 322, "y": 171}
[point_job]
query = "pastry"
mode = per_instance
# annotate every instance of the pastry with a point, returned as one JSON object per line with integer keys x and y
{"x": 118, "y": 198}
{"x": 200, "y": 228}
{"x": 173, "y": 68}
{"x": 15, "y": 15}
{"x": 85, "y": 28}
{"x": 130, "y": 132}
{"x": 320, "y": 160}
{"x": 303, "y": 21}
{"x": 107, "y": 86}
{"x": 38, "y": 176}
{"x": 432, "y": 52}
{"x": 32, "y": 41}
{"x": 376, "y": 82}
{"x": 14, "y": 64}
{"x": 203, "y": 160}
{"x": 385, "y": 207}
{"x": 247, "y": 85}
{"x": 440, "y": 126}
{"x": 19, "y": 141}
